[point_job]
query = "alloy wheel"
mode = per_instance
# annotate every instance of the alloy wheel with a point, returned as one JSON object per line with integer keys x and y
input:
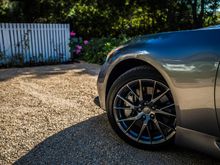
{"x": 144, "y": 110}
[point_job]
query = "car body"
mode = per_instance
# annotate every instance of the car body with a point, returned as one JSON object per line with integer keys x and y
{"x": 189, "y": 63}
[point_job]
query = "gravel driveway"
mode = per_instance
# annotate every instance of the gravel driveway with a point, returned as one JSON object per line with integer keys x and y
{"x": 47, "y": 116}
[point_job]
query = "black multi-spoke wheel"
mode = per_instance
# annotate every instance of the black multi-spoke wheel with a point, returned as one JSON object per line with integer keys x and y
{"x": 141, "y": 108}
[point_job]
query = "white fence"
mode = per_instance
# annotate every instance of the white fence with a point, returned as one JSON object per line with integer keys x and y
{"x": 34, "y": 43}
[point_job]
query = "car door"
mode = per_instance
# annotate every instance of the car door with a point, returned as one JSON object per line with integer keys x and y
{"x": 217, "y": 94}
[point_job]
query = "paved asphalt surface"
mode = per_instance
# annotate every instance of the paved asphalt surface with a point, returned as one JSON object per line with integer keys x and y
{"x": 62, "y": 126}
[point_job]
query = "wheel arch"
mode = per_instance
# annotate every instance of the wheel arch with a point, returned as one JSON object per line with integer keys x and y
{"x": 123, "y": 65}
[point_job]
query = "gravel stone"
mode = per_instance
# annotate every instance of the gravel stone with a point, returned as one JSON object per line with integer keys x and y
{"x": 47, "y": 116}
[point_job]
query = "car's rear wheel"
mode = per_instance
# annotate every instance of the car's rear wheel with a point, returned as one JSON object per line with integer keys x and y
{"x": 141, "y": 109}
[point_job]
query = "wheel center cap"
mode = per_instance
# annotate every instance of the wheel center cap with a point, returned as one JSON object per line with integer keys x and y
{"x": 146, "y": 110}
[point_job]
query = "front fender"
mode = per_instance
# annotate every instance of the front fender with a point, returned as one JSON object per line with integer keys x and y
{"x": 113, "y": 61}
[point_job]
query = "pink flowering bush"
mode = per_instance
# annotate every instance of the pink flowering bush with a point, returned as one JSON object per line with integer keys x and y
{"x": 76, "y": 44}
{"x": 95, "y": 50}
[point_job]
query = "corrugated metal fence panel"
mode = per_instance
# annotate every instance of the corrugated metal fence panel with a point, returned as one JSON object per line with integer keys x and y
{"x": 26, "y": 43}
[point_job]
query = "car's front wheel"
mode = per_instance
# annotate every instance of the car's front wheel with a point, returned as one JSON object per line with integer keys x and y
{"x": 141, "y": 109}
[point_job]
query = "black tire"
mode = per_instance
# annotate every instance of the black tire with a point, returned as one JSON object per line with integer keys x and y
{"x": 141, "y": 72}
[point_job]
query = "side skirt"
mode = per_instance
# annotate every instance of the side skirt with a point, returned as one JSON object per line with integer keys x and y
{"x": 198, "y": 141}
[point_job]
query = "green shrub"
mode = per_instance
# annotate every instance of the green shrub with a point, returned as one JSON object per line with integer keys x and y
{"x": 98, "y": 48}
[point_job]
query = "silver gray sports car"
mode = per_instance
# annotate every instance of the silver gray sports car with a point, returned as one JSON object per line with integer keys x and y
{"x": 165, "y": 88}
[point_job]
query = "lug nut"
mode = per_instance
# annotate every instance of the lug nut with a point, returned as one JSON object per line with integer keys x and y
{"x": 152, "y": 116}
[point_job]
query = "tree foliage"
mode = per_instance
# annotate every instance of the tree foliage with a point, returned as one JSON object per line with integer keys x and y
{"x": 95, "y": 18}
